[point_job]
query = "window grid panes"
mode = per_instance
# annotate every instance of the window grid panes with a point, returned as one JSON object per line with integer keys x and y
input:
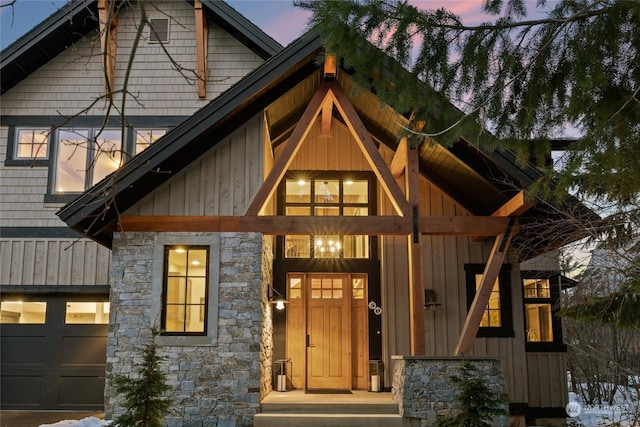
{"x": 86, "y": 312}
{"x": 326, "y": 197}
{"x": 491, "y": 317}
{"x": 146, "y": 137}
{"x": 32, "y": 144}
{"x": 538, "y": 310}
{"x": 23, "y": 312}
{"x": 185, "y": 291}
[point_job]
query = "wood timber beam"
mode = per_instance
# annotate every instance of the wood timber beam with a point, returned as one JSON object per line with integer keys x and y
{"x": 202, "y": 35}
{"x": 516, "y": 206}
{"x": 281, "y": 165}
{"x": 327, "y": 114}
{"x": 483, "y": 293}
{"x": 108, "y": 22}
{"x": 399, "y": 161}
{"x": 368, "y": 148}
{"x": 416, "y": 283}
{"x": 300, "y": 225}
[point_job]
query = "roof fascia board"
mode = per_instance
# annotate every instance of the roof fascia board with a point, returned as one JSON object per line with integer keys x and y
{"x": 42, "y": 30}
{"x": 253, "y": 34}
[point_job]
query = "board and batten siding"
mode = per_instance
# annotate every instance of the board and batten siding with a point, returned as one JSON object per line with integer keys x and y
{"x": 55, "y": 262}
{"x": 547, "y": 385}
{"x": 71, "y": 81}
{"x": 223, "y": 181}
{"x": 443, "y": 259}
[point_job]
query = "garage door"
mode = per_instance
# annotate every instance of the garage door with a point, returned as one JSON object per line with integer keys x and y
{"x": 53, "y": 352}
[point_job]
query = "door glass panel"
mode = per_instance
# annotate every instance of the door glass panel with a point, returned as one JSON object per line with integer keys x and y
{"x": 84, "y": 312}
{"x": 326, "y": 211}
{"x": 358, "y": 288}
{"x": 295, "y": 288}
{"x": 26, "y": 312}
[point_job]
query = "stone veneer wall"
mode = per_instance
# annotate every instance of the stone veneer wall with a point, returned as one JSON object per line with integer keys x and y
{"x": 423, "y": 388}
{"x": 266, "y": 342}
{"x": 211, "y": 385}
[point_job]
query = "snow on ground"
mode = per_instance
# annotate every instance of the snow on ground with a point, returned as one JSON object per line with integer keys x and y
{"x": 622, "y": 414}
{"x": 85, "y": 422}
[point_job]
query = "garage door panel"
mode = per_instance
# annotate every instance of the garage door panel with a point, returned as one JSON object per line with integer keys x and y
{"x": 83, "y": 351}
{"x": 19, "y": 390}
{"x": 23, "y": 350}
{"x": 80, "y": 392}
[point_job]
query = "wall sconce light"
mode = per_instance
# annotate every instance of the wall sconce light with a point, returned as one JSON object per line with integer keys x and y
{"x": 278, "y": 300}
{"x": 430, "y": 302}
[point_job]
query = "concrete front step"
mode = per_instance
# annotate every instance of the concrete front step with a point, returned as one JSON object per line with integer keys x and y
{"x": 331, "y": 420}
{"x": 330, "y": 408}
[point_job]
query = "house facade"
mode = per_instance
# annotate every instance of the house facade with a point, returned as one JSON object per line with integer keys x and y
{"x": 273, "y": 182}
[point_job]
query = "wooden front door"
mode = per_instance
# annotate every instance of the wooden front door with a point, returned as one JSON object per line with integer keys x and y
{"x": 326, "y": 330}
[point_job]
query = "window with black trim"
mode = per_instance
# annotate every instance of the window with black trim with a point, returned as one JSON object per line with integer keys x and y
{"x": 497, "y": 320}
{"x": 184, "y": 296}
{"x": 32, "y": 144}
{"x": 335, "y": 193}
{"x": 541, "y": 297}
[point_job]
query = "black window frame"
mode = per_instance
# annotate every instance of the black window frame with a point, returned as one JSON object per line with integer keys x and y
{"x": 341, "y": 176}
{"x": 163, "y": 301}
{"x": 12, "y": 141}
{"x": 557, "y": 345}
{"x": 506, "y": 329}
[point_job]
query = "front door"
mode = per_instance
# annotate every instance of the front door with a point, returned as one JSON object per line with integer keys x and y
{"x": 326, "y": 330}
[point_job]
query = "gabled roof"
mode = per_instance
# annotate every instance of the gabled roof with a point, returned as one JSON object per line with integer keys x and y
{"x": 78, "y": 17}
{"x": 282, "y": 87}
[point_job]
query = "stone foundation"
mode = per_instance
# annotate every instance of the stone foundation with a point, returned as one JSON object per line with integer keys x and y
{"x": 215, "y": 380}
{"x": 423, "y": 388}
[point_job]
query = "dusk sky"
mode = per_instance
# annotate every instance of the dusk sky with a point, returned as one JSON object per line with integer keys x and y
{"x": 278, "y": 18}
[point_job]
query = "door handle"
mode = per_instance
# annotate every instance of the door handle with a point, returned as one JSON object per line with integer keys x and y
{"x": 308, "y": 342}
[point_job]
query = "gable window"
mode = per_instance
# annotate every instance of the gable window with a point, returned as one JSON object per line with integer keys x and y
{"x": 84, "y": 157}
{"x": 184, "y": 301}
{"x": 541, "y": 302}
{"x": 326, "y": 194}
{"x": 497, "y": 317}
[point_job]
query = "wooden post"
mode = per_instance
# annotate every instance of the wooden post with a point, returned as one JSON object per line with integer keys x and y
{"x": 414, "y": 240}
{"x": 201, "y": 48}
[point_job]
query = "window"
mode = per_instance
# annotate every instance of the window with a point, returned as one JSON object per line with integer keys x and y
{"x": 32, "y": 144}
{"x": 86, "y": 312}
{"x": 184, "y": 308}
{"x": 329, "y": 194}
{"x": 23, "y": 312}
{"x": 84, "y": 157}
{"x": 542, "y": 326}
{"x": 146, "y": 137}
{"x": 497, "y": 318}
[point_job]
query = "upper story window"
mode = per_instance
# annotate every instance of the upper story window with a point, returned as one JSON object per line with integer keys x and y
{"x": 84, "y": 157}
{"x": 497, "y": 317}
{"x": 146, "y": 137}
{"x": 184, "y": 302}
{"x": 32, "y": 144}
{"x": 326, "y": 194}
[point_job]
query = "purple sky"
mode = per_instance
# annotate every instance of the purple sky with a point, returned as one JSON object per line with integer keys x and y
{"x": 278, "y": 18}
